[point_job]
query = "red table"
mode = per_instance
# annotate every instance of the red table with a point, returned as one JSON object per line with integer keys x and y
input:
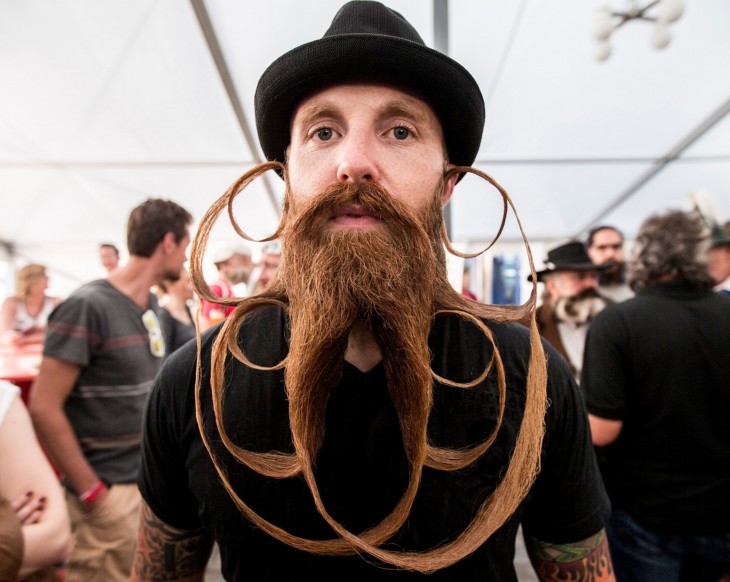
{"x": 19, "y": 365}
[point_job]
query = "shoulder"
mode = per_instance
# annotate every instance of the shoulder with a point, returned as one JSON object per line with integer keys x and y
{"x": 92, "y": 291}
{"x": 615, "y": 313}
{"x": 262, "y": 336}
{"x": 10, "y": 303}
{"x": 83, "y": 298}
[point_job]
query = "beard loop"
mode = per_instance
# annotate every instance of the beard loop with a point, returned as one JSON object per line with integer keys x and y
{"x": 392, "y": 280}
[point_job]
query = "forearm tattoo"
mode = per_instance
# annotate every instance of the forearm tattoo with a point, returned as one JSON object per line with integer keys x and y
{"x": 586, "y": 560}
{"x": 165, "y": 553}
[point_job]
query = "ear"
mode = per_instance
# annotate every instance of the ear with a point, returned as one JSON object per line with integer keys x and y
{"x": 449, "y": 187}
{"x": 168, "y": 242}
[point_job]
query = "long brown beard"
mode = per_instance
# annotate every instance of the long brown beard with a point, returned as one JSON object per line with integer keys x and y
{"x": 393, "y": 280}
{"x": 382, "y": 278}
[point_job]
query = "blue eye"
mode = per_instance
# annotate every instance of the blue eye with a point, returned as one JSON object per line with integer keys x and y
{"x": 325, "y": 133}
{"x": 401, "y": 132}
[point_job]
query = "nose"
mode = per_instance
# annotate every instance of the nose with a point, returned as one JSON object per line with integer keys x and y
{"x": 357, "y": 160}
{"x": 589, "y": 281}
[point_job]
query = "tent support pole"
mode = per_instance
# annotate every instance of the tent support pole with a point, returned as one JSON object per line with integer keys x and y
{"x": 220, "y": 62}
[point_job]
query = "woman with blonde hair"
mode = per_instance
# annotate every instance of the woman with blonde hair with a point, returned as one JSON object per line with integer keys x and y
{"x": 24, "y": 316}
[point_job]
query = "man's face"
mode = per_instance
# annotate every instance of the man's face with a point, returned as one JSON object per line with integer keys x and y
{"x": 237, "y": 269}
{"x": 109, "y": 258}
{"x": 570, "y": 283}
{"x": 719, "y": 263}
{"x": 269, "y": 264}
{"x": 176, "y": 258}
{"x": 607, "y": 246}
{"x": 366, "y": 133}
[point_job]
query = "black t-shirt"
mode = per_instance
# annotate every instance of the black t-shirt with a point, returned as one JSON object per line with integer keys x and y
{"x": 659, "y": 364}
{"x": 361, "y": 470}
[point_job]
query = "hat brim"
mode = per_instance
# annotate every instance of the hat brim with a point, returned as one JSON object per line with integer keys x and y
{"x": 577, "y": 267}
{"x": 718, "y": 242}
{"x": 334, "y": 60}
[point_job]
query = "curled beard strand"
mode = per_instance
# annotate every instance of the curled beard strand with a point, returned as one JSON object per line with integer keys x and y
{"x": 525, "y": 460}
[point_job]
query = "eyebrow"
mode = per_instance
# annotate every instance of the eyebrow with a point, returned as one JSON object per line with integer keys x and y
{"x": 314, "y": 112}
{"x": 396, "y": 108}
{"x": 402, "y": 108}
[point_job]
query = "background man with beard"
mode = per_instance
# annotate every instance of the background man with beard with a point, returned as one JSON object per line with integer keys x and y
{"x": 234, "y": 265}
{"x": 656, "y": 382}
{"x": 267, "y": 266}
{"x": 570, "y": 301}
{"x": 102, "y": 350}
{"x": 605, "y": 245}
{"x": 360, "y": 419}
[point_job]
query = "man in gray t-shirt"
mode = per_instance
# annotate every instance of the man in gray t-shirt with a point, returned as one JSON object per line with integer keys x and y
{"x": 103, "y": 348}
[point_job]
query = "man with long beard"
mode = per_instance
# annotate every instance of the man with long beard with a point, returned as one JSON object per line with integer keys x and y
{"x": 359, "y": 419}
{"x": 570, "y": 302}
{"x": 605, "y": 246}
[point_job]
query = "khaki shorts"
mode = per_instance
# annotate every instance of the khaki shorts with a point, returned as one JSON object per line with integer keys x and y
{"x": 105, "y": 538}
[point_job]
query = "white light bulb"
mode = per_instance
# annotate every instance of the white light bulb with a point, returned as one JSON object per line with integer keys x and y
{"x": 670, "y": 10}
{"x": 602, "y": 24}
{"x": 602, "y": 30}
{"x": 603, "y": 51}
{"x": 660, "y": 37}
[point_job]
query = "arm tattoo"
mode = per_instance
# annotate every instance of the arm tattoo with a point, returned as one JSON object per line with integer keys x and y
{"x": 585, "y": 560}
{"x": 165, "y": 553}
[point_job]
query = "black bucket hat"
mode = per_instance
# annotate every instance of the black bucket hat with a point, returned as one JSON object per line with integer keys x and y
{"x": 571, "y": 256}
{"x": 368, "y": 42}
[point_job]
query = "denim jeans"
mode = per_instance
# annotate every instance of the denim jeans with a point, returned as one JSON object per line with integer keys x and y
{"x": 640, "y": 555}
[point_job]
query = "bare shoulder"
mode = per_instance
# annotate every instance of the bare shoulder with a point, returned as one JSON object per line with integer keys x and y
{"x": 166, "y": 553}
{"x": 584, "y": 560}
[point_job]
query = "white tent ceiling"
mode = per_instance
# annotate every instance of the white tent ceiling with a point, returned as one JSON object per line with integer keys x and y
{"x": 106, "y": 103}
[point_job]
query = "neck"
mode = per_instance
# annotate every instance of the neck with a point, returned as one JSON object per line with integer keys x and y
{"x": 135, "y": 279}
{"x": 363, "y": 351}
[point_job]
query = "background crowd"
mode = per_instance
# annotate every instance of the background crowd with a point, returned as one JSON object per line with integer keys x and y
{"x": 636, "y": 380}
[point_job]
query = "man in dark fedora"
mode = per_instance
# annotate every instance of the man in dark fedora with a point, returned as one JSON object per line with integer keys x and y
{"x": 360, "y": 419}
{"x": 570, "y": 300}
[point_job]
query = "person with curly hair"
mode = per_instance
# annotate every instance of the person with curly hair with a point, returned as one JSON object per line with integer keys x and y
{"x": 655, "y": 375}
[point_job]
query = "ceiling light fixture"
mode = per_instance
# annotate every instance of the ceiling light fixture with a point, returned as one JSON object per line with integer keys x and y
{"x": 661, "y": 12}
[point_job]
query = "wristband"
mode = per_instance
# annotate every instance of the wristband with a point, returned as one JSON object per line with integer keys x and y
{"x": 88, "y": 497}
